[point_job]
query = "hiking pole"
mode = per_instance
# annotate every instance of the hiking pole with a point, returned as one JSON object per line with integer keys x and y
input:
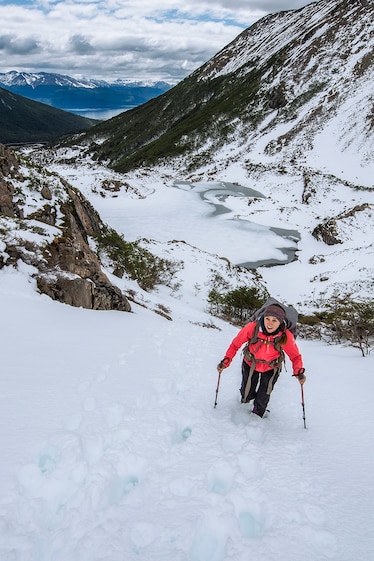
{"x": 218, "y": 381}
{"x": 303, "y": 404}
{"x": 300, "y": 376}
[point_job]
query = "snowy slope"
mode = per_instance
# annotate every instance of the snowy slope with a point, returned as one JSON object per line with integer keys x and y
{"x": 112, "y": 448}
{"x": 150, "y": 206}
{"x": 322, "y": 64}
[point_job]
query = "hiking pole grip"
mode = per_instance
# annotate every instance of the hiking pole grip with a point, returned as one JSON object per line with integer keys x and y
{"x": 218, "y": 382}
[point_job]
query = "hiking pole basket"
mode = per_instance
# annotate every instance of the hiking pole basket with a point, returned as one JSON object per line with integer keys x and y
{"x": 218, "y": 381}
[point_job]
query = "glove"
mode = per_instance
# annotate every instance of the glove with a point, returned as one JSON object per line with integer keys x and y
{"x": 301, "y": 375}
{"x": 225, "y": 362}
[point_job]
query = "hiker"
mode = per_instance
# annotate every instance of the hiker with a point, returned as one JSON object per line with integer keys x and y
{"x": 267, "y": 340}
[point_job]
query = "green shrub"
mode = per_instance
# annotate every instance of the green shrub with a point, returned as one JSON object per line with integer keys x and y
{"x": 237, "y": 304}
{"x": 138, "y": 263}
{"x": 352, "y": 321}
{"x": 309, "y": 320}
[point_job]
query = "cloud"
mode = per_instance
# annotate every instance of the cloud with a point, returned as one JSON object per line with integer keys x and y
{"x": 80, "y": 45}
{"x": 167, "y": 39}
{"x": 13, "y": 45}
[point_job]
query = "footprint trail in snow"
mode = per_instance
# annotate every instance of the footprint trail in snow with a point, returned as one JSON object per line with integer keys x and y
{"x": 158, "y": 474}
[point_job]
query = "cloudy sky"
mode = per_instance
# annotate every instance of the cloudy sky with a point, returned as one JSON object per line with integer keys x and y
{"x": 128, "y": 39}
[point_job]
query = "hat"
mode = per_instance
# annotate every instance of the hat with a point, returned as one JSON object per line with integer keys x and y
{"x": 275, "y": 311}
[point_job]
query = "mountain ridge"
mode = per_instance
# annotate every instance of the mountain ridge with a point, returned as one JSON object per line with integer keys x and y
{"x": 23, "y": 121}
{"x": 309, "y": 64}
{"x": 35, "y": 79}
{"x": 81, "y": 95}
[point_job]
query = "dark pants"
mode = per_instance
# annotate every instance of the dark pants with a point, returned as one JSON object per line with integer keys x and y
{"x": 261, "y": 385}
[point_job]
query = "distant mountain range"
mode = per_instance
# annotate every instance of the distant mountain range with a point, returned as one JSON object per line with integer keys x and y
{"x": 70, "y": 94}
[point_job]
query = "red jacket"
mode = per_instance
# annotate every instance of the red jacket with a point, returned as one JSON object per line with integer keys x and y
{"x": 262, "y": 350}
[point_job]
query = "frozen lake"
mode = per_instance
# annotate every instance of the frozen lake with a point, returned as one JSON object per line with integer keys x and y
{"x": 220, "y": 194}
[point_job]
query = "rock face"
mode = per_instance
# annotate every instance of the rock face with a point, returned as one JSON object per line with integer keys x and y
{"x": 8, "y": 161}
{"x": 328, "y": 231}
{"x": 8, "y": 165}
{"x": 68, "y": 270}
{"x": 84, "y": 293}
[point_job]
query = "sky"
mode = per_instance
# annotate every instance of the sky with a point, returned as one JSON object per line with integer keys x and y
{"x": 123, "y": 39}
{"x": 112, "y": 448}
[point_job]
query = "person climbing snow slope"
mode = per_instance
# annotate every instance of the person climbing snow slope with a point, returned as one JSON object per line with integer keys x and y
{"x": 267, "y": 340}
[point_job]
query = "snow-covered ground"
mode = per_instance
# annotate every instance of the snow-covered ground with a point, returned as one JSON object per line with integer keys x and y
{"x": 157, "y": 204}
{"x": 112, "y": 449}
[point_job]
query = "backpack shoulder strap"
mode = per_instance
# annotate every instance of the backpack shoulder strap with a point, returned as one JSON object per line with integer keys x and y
{"x": 254, "y": 337}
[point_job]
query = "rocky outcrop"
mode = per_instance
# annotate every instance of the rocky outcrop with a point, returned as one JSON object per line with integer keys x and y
{"x": 46, "y": 214}
{"x": 309, "y": 191}
{"x": 83, "y": 293}
{"x": 88, "y": 219}
{"x": 68, "y": 270}
{"x": 8, "y": 161}
{"x": 8, "y": 164}
{"x": 6, "y": 197}
{"x": 85, "y": 284}
{"x": 328, "y": 231}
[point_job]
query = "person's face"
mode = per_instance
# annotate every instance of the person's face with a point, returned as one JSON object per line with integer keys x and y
{"x": 271, "y": 323}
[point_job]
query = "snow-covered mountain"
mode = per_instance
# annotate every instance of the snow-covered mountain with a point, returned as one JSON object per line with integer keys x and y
{"x": 316, "y": 74}
{"x": 87, "y": 97}
{"x": 36, "y": 79}
{"x": 277, "y": 93}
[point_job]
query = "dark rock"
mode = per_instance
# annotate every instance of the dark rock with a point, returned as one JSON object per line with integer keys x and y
{"x": 83, "y": 293}
{"x": 327, "y": 232}
{"x": 46, "y": 193}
